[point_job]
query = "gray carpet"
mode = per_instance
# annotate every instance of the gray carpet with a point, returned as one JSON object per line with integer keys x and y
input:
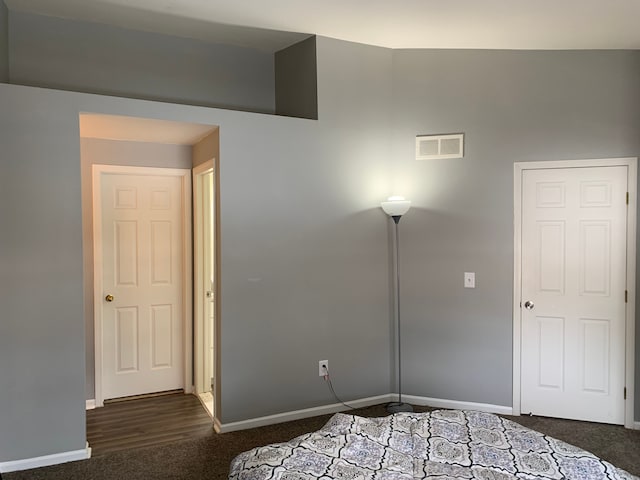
{"x": 209, "y": 457}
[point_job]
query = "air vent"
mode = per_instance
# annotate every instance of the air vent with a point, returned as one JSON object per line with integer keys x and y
{"x": 429, "y": 147}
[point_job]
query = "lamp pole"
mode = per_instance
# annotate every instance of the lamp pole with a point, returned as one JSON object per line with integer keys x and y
{"x": 395, "y": 207}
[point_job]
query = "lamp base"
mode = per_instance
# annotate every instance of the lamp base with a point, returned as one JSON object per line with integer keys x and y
{"x": 395, "y": 407}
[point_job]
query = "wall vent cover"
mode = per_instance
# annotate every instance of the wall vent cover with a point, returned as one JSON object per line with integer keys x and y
{"x": 429, "y": 147}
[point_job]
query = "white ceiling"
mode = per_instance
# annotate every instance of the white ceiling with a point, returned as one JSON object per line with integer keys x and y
{"x": 115, "y": 127}
{"x": 486, "y": 24}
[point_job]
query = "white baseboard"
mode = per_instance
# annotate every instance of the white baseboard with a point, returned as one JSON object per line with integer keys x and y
{"x": 636, "y": 425}
{"x": 364, "y": 402}
{"x": 217, "y": 426}
{"x": 458, "y": 405}
{"x": 45, "y": 461}
{"x": 91, "y": 404}
{"x": 298, "y": 414}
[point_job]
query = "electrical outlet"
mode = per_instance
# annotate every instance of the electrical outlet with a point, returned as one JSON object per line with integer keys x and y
{"x": 469, "y": 280}
{"x": 321, "y": 368}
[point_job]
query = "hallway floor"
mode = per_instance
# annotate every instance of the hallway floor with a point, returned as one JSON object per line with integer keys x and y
{"x": 145, "y": 422}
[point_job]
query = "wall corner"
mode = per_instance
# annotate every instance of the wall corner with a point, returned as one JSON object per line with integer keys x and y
{"x": 4, "y": 43}
{"x": 296, "y": 79}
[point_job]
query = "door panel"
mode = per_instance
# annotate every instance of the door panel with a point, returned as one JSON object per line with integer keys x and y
{"x": 209, "y": 273}
{"x": 126, "y": 253}
{"x": 126, "y": 340}
{"x": 550, "y": 352}
{"x": 594, "y": 352}
{"x": 574, "y": 276}
{"x": 162, "y": 333}
{"x": 552, "y": 264}
{"x": 142, "y": 261}
{"x": 204, "y": 293}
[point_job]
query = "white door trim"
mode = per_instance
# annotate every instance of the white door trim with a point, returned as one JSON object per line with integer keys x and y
{"x": 185, "y": 176}
{"x": 518, "y": 168}
{"x": 198, "y": 298}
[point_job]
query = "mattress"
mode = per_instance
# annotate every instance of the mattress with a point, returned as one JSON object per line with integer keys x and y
{"x": 442, "y": 444}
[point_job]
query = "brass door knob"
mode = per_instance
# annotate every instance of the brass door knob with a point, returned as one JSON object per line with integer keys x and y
{"x": 109, "y": 298}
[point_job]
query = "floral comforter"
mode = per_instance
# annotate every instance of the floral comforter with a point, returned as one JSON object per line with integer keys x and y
{"x": 443, "y": 444}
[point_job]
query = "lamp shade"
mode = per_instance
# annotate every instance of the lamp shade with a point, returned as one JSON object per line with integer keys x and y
{"x": 396, "y": 206}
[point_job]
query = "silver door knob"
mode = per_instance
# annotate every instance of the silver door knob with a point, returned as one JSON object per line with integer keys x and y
{"x": 529, "y": 305}
{"x": 109, "y": 298}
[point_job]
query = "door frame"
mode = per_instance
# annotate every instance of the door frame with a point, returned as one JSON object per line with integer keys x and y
{"x": 198, "y": 294}
{"x": 98, "y": 289}
{"x": 518, "y": 169}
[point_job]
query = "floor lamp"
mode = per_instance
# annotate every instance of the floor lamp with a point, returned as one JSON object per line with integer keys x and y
{"x": 395, "y": 207}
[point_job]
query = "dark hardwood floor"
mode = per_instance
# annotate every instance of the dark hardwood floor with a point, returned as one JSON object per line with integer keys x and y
{"x": 146, "y": 422}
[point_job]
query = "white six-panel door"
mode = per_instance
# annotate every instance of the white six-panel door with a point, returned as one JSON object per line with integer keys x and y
{"x": 142, "y": 258}
{"x": 574, "y": 234}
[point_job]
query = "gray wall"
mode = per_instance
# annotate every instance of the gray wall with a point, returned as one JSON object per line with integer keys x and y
{"x": 305, "y": 247}
{"x": 304, "y": 251}
{"x": 109, "y": 60}
{"x": 42, "y": 328}
{"x": 4, "y": 43}
{"x": 296, "y": 80}
{"x": 512, "y": 107}
{"x": 304, "y": 271}
{"x": 110, "y": 152}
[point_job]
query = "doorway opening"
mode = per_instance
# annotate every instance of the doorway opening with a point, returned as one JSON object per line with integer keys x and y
{"x": 149, "y": 145}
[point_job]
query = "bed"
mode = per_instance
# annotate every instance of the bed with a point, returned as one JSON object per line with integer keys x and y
{"x": 442, "y": 444}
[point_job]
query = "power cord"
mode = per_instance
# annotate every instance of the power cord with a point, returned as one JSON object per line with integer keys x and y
{"x": 327, "y": 379}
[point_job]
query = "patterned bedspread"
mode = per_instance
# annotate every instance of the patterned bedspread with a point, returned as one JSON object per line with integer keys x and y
{"x": 443, "y": 444}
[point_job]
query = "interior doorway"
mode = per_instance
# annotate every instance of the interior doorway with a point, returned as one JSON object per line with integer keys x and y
{"x": 143, "y": 143}
{"x": 204, "y": 283}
